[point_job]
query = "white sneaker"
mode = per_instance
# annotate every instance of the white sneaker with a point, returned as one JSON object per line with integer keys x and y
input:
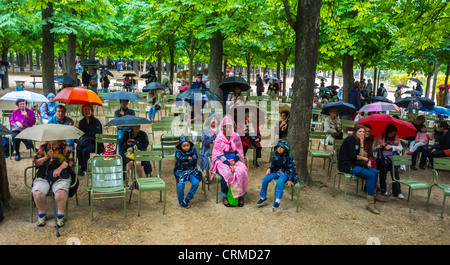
{"x": 41, "y": 221}
{"x": 386, "y": 193}
{"x": 400, "y": 196}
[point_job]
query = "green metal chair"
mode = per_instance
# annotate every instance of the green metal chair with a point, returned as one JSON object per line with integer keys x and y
{"x": 441, "y": 164}
{"x": 347, "y": 176}
{"x": 149, "y": 183}
{"x": 321, "y": 136}
{"x": 413, "y": 184}
{"x": 106, "y": 138}
{"x": 105, "y": 180}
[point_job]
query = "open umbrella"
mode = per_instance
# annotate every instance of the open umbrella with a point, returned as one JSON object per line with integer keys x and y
{"x": 378, "y": 122}
{"x": 404, "y": 102}
{"x": 152, "y": 85}
{"x": 438, "y": 110}
{"x": 4, "y": 130}
{"x": 333, "y": 87}
{"x": 128, "y": 120}
{"x": 24, "y": 94}
{"x": 324, "y": 89}
{"x": 228, "y": 84}
{"x": 78, "y": 96}
{"x": 5, "y": 63}
{"x": 416, "y": 80}
{"x": 65, "y": 79}
{"x": 342, "y": 108}
{"x": 413, "y": 92}
{"x": 89, "y": 63}
{"x": 129, "y": 74}
{"x": 206, "y": 95}
{"x": 378, "y": 98}
{"x": 106, "y": 72}
{"x": 121, "y": 95}
{"x": 50, "y": 132}
{"x": 379, "y": 106}
{"x": 443, "y": 85}
{"x": 402, "y": 86}
{"x": 180, "y": 74}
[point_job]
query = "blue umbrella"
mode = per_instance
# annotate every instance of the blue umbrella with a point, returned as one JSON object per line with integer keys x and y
{"x": 151, "y": 86}
{"x": 206, "y": 95}
{"x": 121, "y": 95}
{"x": 404, "y": 102}
{"x": 378, "y": 98}
{"x": 342, "y": 108}
{"x": 438, "y": 110}
{"x": 128, "y": 120}
{"x": 413, "y": 92}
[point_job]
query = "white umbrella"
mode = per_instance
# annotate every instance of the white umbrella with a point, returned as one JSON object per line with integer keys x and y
{"x": 25, "y": 94}
{"x": 50, "y": 132}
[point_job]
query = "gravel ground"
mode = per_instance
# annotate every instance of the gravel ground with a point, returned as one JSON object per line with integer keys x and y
{"x": 322, "y": 218}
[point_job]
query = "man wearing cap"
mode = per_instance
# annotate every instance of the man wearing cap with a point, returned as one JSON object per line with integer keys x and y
{"x": 124, "y": 110}
{"x": 48, "y": 109}
{"x": 198, "y": 82}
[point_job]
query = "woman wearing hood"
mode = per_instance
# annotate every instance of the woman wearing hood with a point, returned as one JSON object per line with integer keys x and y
{"x": 228, "y": 161}
{"x": 186, "y": 170}
{"x": 209, "y": 134}
{"x": 48, "y": 109}
{"x": 283, "y": 169}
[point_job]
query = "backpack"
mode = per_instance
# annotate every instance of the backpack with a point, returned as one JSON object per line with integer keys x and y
{"x": 46, "y": 109}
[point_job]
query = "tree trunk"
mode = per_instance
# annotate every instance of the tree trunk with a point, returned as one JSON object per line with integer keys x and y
{"x": 248, "y": 58}
{"x": 375, "y": 83}
{"x": 444, "y": 102}
{"x": 347, "y": 74}
{"x": 436, "y": 71}
{"x": 172, "y": 63}
{"x": 215, "y": 63}
{"x": 48, "y": 51}
{"x": 71, "y": 53}
{"x": 306, "y": 42}
{"x": 5, "y": 58}
{"x": 158, "y": 48}
{"x": 38, "y": 60}
{"x": 361, "y": 75}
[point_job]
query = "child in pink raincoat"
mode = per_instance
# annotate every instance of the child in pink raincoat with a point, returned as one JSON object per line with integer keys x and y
{"x": 228, "y": 161}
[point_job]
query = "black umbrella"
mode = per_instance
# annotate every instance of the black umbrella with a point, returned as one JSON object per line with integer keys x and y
{"x": 128, "y": 120}
{"x": 405, "y": 102}
{"x": 89, "y": 63}
{"x": 333, "y": 87}
{"x": 121, "y": 95}
{"x": 129, "y": 74}
{"x": 342, "y": 108}
{"x": 152, "y": 85}
{"x": 416, "y": 80}
{"x": 403, "y": 86}
{"x": 106, "y": 72}
{"x": 378, "y": 98}
{"x": 230, "y": 83}
{"x": 5, "y": 63}
{"x": 413, "y": 92}
{"x": 65, "y": 79}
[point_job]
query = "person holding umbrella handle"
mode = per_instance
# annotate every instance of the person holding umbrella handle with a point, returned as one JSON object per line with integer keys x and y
{"x": 54, "y": 161}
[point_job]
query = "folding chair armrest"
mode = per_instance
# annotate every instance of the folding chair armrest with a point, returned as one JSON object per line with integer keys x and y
{"x": 25, "y": 176}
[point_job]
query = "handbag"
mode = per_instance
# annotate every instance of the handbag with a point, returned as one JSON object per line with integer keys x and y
{"x": 231, "y": 199}
{"x": 130, "y": 152}
{"x": 157, "y": 107}
{"x": 384, "y": 160}
{"x": 84, "y": 141}
{"x": 92, "y": 83}
{"x": 262, "y": 89}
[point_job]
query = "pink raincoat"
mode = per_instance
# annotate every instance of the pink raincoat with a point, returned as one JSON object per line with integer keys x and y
{"x": 237, "y": 181}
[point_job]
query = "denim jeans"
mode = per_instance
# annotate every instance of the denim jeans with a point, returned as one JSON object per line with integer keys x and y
{"x": 423, "y": 157}
{"x": 395, "y": 186}
{"x": 180, "y": 189}
{"x": 152, "y": 113}
{"x": 2, "y": 77}
{"x": 371, "y": 176}
{"x": 105, "y": 90}
{"x": 282, "y": 178}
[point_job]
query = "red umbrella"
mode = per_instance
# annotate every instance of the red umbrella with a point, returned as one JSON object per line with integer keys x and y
{"x": 78, "y": 96}
{"x": 378, "y": 122}
{"x": 443, "y": 85}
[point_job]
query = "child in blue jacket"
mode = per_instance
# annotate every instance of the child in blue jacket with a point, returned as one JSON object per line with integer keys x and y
{"x": 186, "y": 170}
{"x": 282, "y": 169}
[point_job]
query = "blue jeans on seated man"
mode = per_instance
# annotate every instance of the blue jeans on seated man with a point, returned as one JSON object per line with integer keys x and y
{"x": 282, "y": 179}
{"x": 423, "y": 157}
{"x": 371, "y": 176}
{"x": 152, "y": 113}
{"x": 180, "y": 189}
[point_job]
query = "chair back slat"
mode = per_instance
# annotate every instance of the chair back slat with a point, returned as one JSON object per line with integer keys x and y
{"x": 107, "y": 172}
